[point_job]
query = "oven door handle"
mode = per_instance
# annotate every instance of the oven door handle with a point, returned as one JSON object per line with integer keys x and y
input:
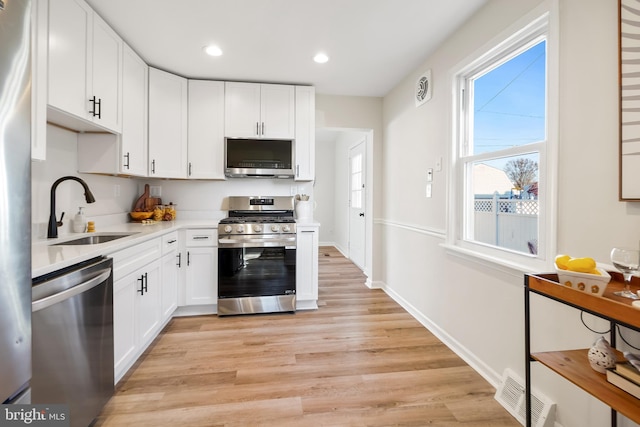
{"x": 257, "y": 242}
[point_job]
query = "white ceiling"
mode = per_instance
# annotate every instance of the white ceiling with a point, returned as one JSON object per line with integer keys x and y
{"x": 372, "y": 44}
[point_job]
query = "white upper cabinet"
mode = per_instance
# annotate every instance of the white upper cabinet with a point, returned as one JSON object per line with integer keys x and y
{"x": 85, "y": 68}
{"x": 69, "y": 22}
{"x": 259, "y": 110}
{"x": 206, "y": 130}
{"x": 167, "y": 125}
{"x": 133, "y": 156}
{"x": 305, "y": 133}
{"x": 105, "y": 91}
{"x": 126, "y": 153}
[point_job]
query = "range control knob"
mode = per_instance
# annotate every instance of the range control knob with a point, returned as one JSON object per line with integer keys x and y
{"x": 275, "y": 228}
{"x": 228, "y": 229}
{"x": 286, "y": 229}
{"x": 257, "y": 228}
{"x": 240, "y": 228}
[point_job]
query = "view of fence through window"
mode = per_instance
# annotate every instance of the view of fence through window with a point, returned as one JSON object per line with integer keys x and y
{"x": 507, "y": 128}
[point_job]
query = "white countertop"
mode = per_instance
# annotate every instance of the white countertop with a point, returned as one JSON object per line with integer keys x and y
{"x": 46, "y": 258}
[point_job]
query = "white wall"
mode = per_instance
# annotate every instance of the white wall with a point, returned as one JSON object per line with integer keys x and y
{"x": 477, "y": 308}
{"x": 62, "y": 161}
{"x": 324, "y": 188}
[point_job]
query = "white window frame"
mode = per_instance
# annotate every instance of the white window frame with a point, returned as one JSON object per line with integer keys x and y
{"x": 526, "y": 32}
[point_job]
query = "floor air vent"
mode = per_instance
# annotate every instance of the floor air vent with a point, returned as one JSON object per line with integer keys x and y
{"x": 510, "y": 394}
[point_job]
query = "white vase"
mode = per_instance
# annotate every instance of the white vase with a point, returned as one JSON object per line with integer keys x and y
{"x": 304, "y": 211}
{"x": 601, "y": 356}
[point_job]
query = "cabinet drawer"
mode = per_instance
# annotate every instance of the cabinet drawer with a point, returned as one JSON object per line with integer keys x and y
{"x": 131, "y": 259}
{"x": 169, "y": 242}
{"x": 201, "y": 237}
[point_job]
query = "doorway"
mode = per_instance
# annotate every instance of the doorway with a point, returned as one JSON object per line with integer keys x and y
{"x": 335, "y": 150}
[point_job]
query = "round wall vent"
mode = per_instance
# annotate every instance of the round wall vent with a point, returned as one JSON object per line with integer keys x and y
{"x": 423, "y": 88}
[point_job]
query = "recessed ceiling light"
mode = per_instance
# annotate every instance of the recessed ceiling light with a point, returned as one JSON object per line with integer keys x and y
{"x": 321, "y": 58}
{"x": 213, "y": 50}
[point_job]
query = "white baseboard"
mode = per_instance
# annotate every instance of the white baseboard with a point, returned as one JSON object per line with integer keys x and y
{"x": 195, "y": 310}
{"x": 343, "y": 251}
{"x": 307, "y": 305}
{"x": 478, "y": 365}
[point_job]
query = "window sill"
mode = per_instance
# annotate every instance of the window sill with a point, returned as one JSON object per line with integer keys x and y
{"x": 513, "y": 268}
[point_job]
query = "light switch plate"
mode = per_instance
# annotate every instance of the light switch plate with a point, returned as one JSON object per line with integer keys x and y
{"x": 155, "y": 191}
{"x": 428, "y": 191}
{"x": 429, "y": 175}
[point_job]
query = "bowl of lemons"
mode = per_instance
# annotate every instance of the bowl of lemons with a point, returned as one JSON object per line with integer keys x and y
{"x": 582, "y": 274}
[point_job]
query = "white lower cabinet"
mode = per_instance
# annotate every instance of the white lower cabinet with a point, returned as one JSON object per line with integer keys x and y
{"x": 201, "y": 278}
{"x": 307, "y": 266}
{"x": 171, "y": 262}
{"x": 137, "y": 293}
{"x": 148, "y": 292}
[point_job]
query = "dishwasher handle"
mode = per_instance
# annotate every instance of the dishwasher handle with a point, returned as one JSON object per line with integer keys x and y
{"x": 101, "y": 276}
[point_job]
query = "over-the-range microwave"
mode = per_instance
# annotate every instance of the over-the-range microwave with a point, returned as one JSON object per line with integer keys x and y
{"x": 259, "y": 158}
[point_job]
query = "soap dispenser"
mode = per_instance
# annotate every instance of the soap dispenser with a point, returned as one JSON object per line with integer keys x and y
{"x": 79, "y": 222}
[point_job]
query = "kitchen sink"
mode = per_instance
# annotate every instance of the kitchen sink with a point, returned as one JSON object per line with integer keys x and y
{"x": 93, "y": 239}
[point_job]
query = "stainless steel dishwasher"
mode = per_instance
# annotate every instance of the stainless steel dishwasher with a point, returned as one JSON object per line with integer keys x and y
{"x": 72, "y": 338}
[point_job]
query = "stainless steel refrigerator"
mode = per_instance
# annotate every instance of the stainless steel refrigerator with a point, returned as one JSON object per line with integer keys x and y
{"x": 15, "y": 198}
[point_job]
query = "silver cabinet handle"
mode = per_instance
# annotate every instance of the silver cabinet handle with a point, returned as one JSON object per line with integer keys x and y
{"x": 257, "y": 128}
{"x": 263, "y": 128}
{"x": 200, "y": 237}
{"x": 45, "y": 302}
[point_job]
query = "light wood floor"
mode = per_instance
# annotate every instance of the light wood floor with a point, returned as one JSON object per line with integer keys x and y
{"x": 360, "y": 360}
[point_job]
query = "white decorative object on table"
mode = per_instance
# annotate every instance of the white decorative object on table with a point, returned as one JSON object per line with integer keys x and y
{"x": 601, "y": 356}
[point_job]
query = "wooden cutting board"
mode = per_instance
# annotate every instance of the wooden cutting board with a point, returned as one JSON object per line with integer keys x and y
{"x": 151, "y": 202}
{"x": 141, "y": 202}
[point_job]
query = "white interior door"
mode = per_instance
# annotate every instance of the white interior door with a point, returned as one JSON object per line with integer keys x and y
{"x": 357, "y": 204}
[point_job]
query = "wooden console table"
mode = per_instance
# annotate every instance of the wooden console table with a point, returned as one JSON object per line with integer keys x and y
{"x": 573, "y": 364}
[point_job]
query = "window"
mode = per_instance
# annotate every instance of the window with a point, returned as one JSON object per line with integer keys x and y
{"x": 502, "y": 164}
{"x": 356, "y": 181}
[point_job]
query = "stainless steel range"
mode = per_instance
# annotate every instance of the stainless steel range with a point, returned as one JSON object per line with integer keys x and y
{"x": 257, "y": 256}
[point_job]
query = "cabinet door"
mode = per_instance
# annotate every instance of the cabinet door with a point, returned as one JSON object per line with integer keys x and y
{"x": 305, "y": 133}
{"x": 148, "y": 308}
{"x": 167, "y": 125}
{"x": 277, "y": 111}
{"x": 134, "y": 114}
{"x": 202, "y": 276}
{"x": 169, "y": 284}
{"x": 307, "y": 264}
{"x": 106, "y": 57}
{"x": 124, "y": 323}
{"x": 69, "y": 24}
{"x": 206, "y": 130}
{"x": 242, "y": 110}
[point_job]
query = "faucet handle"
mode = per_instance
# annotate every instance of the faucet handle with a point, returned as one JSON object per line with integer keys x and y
{"x": 59, "y": 222}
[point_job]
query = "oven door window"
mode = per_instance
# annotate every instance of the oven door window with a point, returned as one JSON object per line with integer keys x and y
{"x": 249, "y": 272}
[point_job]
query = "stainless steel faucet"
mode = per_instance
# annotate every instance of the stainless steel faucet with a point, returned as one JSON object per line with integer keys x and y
{"x": 52, "y": 231}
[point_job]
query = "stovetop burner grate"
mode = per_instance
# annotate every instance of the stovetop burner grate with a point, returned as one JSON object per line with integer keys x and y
{"x": 257, "y": 220}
